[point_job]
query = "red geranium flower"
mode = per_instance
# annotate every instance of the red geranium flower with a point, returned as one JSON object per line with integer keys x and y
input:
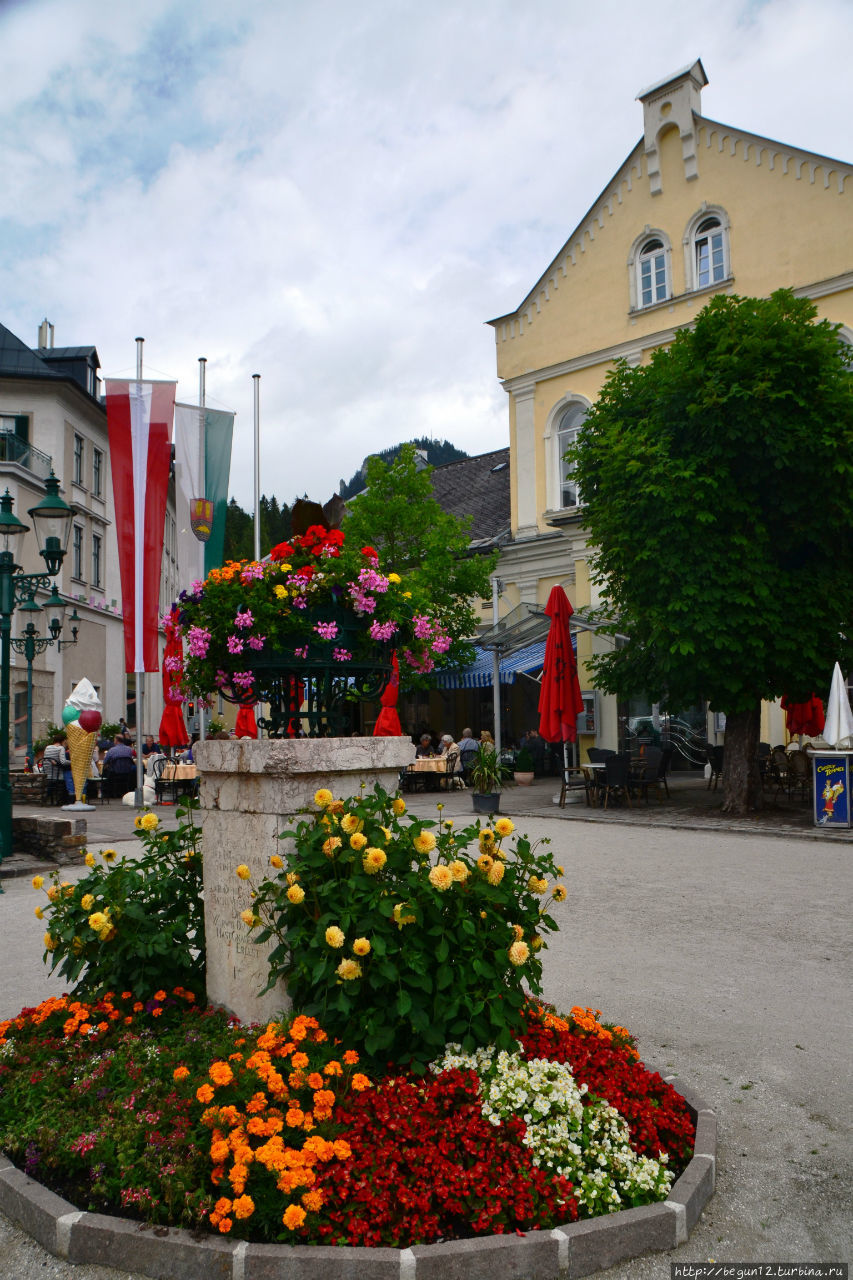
{"x": 370, "y": 552}
{"x": 282, "y": 551}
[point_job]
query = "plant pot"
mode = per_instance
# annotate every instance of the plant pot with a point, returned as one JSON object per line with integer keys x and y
{"x": 524, "y": 779}
{"x": 486, "y": 801}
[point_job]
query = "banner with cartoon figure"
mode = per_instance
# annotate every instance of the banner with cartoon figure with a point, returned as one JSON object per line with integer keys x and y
{"x": 832, "y": 790}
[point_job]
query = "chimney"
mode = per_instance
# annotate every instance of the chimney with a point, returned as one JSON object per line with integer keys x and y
{"x": 45, "y": 335}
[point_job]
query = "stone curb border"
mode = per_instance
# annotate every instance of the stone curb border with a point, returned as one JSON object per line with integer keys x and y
{"x": 577, "y": 1249}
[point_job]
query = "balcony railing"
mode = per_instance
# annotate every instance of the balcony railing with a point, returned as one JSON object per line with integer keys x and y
{"x": 14, "y": 449}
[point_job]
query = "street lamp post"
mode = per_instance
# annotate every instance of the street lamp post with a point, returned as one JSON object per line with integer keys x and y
{"x": 31, "y": 644}
{"x": 52, "y": 519}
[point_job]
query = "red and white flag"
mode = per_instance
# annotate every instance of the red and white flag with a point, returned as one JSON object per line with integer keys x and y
{"x": 139, "y": 423}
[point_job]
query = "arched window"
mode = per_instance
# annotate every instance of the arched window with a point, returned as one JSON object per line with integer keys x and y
{"x": 568, "y": 425}
{"x": 707, "y": 249}
{"x": 652, "y": 281}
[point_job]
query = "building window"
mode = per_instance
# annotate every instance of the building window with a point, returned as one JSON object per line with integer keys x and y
{"x": 653, "y": 285}
{"x": 567, "y": 433}
{"x": 78, "y": 459}
{"x": 96, "y": 559}
{"x": 77, "y": 553}
{"x": 709, "y": 253}
{"x": 97, "y": 472}
{"x": 706, "y": 248}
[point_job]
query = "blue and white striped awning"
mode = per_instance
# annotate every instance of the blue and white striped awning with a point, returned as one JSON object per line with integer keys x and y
{"x": 479, "y": 674}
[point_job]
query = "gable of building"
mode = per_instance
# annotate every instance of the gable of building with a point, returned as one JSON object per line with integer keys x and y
{"x": 786, "y": 213}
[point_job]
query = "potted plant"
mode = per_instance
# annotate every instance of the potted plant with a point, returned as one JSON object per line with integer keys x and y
{"x": 487, "y": 776}
{"x": 523, "y": 773}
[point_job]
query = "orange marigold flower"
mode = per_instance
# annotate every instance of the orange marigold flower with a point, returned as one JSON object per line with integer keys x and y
{"x": 204, "y": 1093}
{"x": 360, "y": 1082}
{"x": 342, "y": 1149}
{"x": 220, "y": 1073}
{"x": 138, "y": 1007}
{"x": 313, "y": 1201}
{"x": 300, "y": 1060}
{"x": 225, "y": 1225}
{"x": 294, "y": 1117}
{"x": 159, "y": 995}
{"x": 294, "y": 1216}
{"x": 244, "y": 1207}
{"x": 351, "y": 1057}
{"x": 315, "y": 1080}
{"x": 333, "y": 1068}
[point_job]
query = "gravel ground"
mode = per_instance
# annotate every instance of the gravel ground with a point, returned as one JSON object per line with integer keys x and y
{"x": 728, "y": 955}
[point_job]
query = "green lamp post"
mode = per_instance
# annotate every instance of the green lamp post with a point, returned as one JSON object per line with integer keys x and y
{"x": 30, "y": 644}
{"x": 52, "y": 518}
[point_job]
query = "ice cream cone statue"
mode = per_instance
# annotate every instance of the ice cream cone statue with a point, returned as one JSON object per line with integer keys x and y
{"x": 82, "y": 718}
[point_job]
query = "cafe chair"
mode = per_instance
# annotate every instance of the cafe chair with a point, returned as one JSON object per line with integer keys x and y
{"x": 651, "y": 774}
{"x": 617, "y": 779}
{"x": 715, "y": 760}
{"x": 55, "y": 791}
{"x": 800, "y": 775}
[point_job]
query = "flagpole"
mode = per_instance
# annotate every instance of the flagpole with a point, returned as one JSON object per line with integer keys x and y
{"x": 140, "y": 675}
{"x": 202, "y": 395}
{"x": 256, "y": 378}
{"x": 496, "y": 673}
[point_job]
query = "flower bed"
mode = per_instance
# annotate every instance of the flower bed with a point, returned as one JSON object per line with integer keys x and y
{"x": 176, "y": 1115}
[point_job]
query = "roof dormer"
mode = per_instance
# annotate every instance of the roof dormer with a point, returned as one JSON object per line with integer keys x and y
{"x": 673, "y": 103}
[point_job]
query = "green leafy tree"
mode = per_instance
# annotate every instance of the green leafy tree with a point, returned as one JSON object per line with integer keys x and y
{"x": 240, "y": 528}
{"x": 716, "y": 482}
{"x": 428, "y": 547}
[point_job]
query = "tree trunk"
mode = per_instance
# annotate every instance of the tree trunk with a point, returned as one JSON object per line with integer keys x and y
{"x": 741, "y": 776}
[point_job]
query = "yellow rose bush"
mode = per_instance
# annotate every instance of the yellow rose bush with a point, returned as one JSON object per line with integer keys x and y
{"x": 411, "y": 935}
{"x": 135, "y": 923}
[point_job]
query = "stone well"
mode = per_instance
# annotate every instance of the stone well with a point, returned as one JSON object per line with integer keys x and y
{"x": 249, "y": 793}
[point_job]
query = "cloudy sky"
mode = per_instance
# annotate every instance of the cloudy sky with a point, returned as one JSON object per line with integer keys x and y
{"x": 338, "y": 195}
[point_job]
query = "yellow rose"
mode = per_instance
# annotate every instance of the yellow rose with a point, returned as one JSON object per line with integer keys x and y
{"x": 441, "y": 878}
{"x": 504, "y": 827}
{"x": 334, "y": 936}
{"x": 242, "y": 872}
{"x": 275, "y": 861}
{"x": 87, "y": 901}
{"x": 248, "y": 917}
{"x": 357, "y": 841}
{"x": 374, "y": 860}
{"x": 97, "y": 921}
{"x": 348, "y": 969}
{"x": 398, "y": 806}
{"x": 361, "y": 946}
{"x": 518, "y": 953}
{"x": 296, "y": 894}
{"x": 323, "y": 798}
{"x": 38, "y": 881}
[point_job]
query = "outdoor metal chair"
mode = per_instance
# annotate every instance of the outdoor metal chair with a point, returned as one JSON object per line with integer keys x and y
{"x": 617, "y": 779}
{"x": 800, "y": 774}
{"x": 779, "y": 770}
{"x": 715, "y": 760}
{"x": 55, "y": 791}
{"x": 650, "y": 776}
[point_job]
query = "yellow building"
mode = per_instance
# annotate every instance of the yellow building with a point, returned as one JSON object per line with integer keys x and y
{"x": 697, "y": 208}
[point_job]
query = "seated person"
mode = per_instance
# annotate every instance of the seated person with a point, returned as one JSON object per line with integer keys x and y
{"x": 425, "y": 747}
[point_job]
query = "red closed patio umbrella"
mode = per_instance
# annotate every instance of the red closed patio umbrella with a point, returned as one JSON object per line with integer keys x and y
{"x": 245, "y": 725}
{"x": 173, "y": 731}
{"x": 560, "y": 701}
{"x": 388, "y": 721}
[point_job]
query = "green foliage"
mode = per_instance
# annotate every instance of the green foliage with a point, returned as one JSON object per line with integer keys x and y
{"x": 428, "y": 547}
{"x": 716, "y": 482}
{"x": 438, "y": 452}
{"x": 136, "y": 923}
{"x": 524, "y": 761}
{"x": 398, "y": 937}
{"x": 240, "y": 528}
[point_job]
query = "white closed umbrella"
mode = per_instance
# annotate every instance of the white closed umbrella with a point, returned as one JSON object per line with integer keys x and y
{"x": 838, "y": 730}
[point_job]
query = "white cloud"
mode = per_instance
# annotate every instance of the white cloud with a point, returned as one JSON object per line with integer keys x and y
{"x": 338, "y": 196}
